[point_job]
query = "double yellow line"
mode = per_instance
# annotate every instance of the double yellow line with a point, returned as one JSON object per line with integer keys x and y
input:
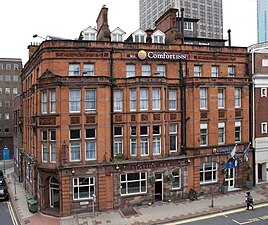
{"x": 213, "y": 215}
{"x": 12, "y": 214}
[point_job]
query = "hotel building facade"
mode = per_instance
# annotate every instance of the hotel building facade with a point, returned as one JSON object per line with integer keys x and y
{"x": 124, "y": 123}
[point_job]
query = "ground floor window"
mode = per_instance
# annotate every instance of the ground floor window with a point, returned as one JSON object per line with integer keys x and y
{"x": 208, "y": 172}
{"x": 176, "y": 183}
{"x": 83, "y": 187}
{"x": 133, "y": 183}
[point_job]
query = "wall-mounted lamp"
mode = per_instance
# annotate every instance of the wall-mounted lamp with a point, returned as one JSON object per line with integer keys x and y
{"x": 117, "y": 167}
{"x": 73, "y": 171}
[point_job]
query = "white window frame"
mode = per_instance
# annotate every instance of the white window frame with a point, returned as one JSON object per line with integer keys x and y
{"x": 203, "y": 98}
{"x": 16, "y": 66}
{"x": 221, "y": 98}
{"x": 176, "y": 183}
{"x": 143, "y": 99}
{"x": 75, "y": 101}
{"x": 74, "y": 69}
{"x": 90, "y": 100}
{"x": 52, "y": 101}
{"x": 88, "y": 69}
{"x": 52, "y": 146}
{"x": 130, "y": 70}
{"x": 214, "y": 71}
{"x": 161, "y": 70}
{"x": 118, "y": 100}
{"x": 7, "y": 91}
{"x": 126, "y": 182}
{"x": 237, "y": 97}
{"x": 44, "y": 102}
{"x": 7, "y": 78}
{"x": 188, "y": 26}
{"x": 133, "y": 141}
{"x": 263, "y": 92}
{"x": 15, "y": 78}
{"x": 213, "y": 169}
{"x": 7, "y": 116}
{"x": 118, "y": 142}
{"x": 203, "y": 134}
{"x": 146, "y": 70}
{"x": 15, "y": 91}
{"x": 231, "y": 71}
{"x": 133, "y": 99}
{"x": 144, "y": 142}
{"x": 78, "y": 183}
{"x": 44, "y": 152}
{"x": 172, "y": 99}
{"x": 156, "y": 140}
{"x": 238, "y": 131}
{"x": 74, "y": 145}
{"x": 156, "y": 97}
{"x": 8, "y": 66}
{"x": 197, "y": 71}
{"x": 173, "y": 133}
{"x": 264, "y": 63}
{"x": 139, "y": 38}
{"x": 221, "y": 132}
{"x": 90, "y": 147}
{"x": 264, "y": 128}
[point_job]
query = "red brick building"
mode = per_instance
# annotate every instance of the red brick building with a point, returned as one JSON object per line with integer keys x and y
{"x": 259, "y": 69}
{"x": 131, "y": 122}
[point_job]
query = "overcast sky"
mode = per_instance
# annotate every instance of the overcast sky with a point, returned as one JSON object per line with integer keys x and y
{"x": 20, "y": 20}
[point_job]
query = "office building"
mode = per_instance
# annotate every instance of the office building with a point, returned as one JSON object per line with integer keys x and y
{"x": 209, "y": 13}
{"x": 262, "y": 20}
{"x": 10, "y": 87}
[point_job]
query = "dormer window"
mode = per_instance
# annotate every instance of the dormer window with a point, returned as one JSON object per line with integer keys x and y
{"x": 89, "y": 34}
{"x": 117, "y": 35}
{"x": 91, "y": 37}
{"x": 139, "y": 36}
{"x": 158, "y": 37}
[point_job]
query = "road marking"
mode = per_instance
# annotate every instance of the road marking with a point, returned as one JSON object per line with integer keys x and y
{"x": 12, "y": 215}
{"x": 217, "y": 214}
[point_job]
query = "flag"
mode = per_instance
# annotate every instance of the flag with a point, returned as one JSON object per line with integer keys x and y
{"x": 232, "y": 163}
{"x": 246, "y": 153}
{"x": 233, "y": 152}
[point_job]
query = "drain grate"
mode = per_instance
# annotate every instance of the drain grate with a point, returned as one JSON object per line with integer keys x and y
{"x": 129, "y": 211}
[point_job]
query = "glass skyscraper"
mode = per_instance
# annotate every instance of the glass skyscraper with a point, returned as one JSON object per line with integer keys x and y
{"x": 208, "y": 11}
{"x": 262, "y": 26}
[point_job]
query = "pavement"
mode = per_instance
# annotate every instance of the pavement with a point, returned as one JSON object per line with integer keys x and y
{"x": 156, "y": 213}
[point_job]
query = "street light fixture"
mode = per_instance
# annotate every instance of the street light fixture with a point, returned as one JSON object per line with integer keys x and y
{"x": 35, "y": 36}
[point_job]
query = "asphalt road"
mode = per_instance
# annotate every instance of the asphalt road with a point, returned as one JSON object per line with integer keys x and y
{"x": 7, "y": 216}
{"x": 240, "y": 216}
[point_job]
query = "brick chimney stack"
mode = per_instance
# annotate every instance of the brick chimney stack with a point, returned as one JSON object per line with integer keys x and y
{"x": 32, "y": 48}
{"x": 103, "y": 31}
{"x": 167, "y": 23}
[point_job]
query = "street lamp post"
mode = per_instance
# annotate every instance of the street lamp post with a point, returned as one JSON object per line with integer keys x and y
{"x": 93, "y": 209}
{"x": 15, "y": 189}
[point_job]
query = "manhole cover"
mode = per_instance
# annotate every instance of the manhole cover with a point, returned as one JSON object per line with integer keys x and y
{"x": 129, "y": 211}
{"x": 27, "y": 221}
